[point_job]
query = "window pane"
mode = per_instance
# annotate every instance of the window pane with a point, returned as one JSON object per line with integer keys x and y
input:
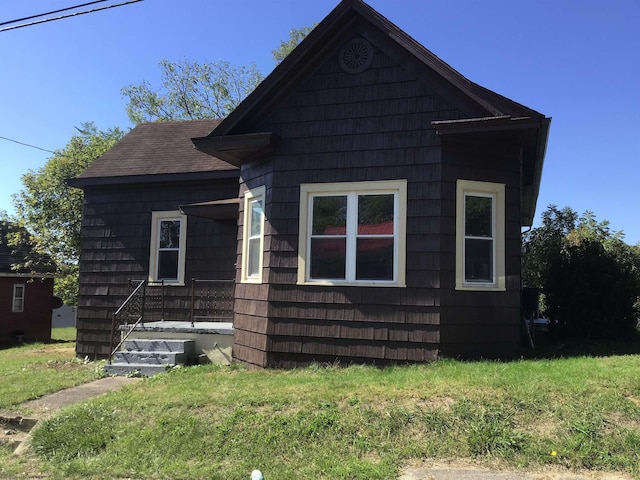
{"x": 256, "y": 218}
{"x": 253, "y": 264}
{"x": 168, "y": 265}
{"x": 478, "y": 217}
{"x": 170, "y": 234}
{"x": 329, "y": 215}
{"x": 478, "y": 260}
{"x": 328, "y": 256}
{"x": 375, "y": 214}
{"x": 374, "y": 259}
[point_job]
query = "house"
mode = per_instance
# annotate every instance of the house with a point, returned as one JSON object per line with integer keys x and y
{"x": 26, "y": 290}
{"x": 366, "y": 198}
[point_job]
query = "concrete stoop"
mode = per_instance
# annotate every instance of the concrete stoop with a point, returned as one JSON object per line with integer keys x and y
{"x": 149, "y": 357}
{"x": 14, "y": 429}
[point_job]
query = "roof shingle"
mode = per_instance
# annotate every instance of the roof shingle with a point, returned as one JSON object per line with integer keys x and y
{"x": 157, "y": 149}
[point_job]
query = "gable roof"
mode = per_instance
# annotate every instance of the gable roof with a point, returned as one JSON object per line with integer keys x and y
{"x": 10, "y": 256}
{"x": 487, "y": 110}
{"x": 323, "y": 40}
{"x": 151, "y": 151}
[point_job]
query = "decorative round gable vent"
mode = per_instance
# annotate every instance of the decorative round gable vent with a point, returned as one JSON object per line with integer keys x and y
{"x": 356, "y": 55}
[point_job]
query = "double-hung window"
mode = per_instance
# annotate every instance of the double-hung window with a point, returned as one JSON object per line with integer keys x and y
{"x": 353, "y": 233}
{"x": 480, "y": 224}
{"x": 168, "y": 246}
{"x": 17, "y": 304}
{"x": 253, "y": 235}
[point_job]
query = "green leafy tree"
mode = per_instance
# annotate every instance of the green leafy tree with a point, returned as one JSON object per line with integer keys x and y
{"x": 52, "y": 211}
{"x": 296, "y": 35}
{"x": 589, "y": 276}
{"x": 191, "y": 90}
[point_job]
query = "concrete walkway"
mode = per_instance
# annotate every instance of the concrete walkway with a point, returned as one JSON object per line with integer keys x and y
{"x": 15, "y": 428}
{"x": 454, "y": 472}
{"x": 50, "y": 404}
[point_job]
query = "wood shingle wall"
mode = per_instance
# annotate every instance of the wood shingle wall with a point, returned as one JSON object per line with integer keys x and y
{"x": 115, "y": 248}
{"x": 339, "y": 127}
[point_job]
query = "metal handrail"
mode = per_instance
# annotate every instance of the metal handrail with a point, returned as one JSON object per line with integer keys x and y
{"x": 124, "y": 305}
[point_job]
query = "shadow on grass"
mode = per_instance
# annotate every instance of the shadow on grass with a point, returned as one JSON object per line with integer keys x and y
{"x": 548, "y": 347}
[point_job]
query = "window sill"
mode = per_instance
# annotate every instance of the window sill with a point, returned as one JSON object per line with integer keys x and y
{"x": 480, "y": 288}
{"x": 351, "y": 284}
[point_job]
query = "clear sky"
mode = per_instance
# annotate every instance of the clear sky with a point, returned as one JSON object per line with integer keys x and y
{"x": 577, "y": 61}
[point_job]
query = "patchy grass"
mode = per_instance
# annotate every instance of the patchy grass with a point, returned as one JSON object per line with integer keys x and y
{"x": 354, "y": 423}
{"x": 31, "y": 371}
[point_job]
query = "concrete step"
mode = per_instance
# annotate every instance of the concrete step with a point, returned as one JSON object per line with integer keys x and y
{"x": 159, "y": 345}
{"x": 150, "y": 358}
{"x": 135, "y": 369}
{"x": 14, "y": 429}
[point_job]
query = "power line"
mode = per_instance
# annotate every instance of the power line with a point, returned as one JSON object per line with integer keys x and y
{"x": 26, "y": 144}
{"x": 51, "y": 13}
{"x": 13, "y": 27}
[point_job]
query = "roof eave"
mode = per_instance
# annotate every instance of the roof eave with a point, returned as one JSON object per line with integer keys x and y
{"x": 82, "y": 182}
{"x": 238, "y": 150}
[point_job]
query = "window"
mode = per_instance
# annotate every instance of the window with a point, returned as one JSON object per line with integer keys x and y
{"x": 253, "y": 235}
{"x": 168, "y": 243}
{"x": 353, "y": 233}
{"x": 480, "y": 236}
{"x": 18, "y": 298}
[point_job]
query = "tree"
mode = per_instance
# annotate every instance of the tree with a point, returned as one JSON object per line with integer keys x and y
{"x": 296, "y": 35}
{"x": 590, "y": 278}
{"x": 52, "y": 211}
{"x": 191, "y": 90}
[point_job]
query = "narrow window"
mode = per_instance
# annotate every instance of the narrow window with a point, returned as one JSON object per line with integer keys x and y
{"x": 168, "y": 238}
{"x": 480, "y": 236}
{"x": 353, "y": 233}
{"x": 18, "y": 299}
{"x": 253, "y": 235}
{"x": 479, "y": 240}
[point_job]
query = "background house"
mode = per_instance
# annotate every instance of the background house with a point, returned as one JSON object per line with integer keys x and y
{"x": 379, "y": 207}
{"x": 26, "y": 292}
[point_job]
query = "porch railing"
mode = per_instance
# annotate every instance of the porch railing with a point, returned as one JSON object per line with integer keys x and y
{"x": 211, "y": 301}
{"x": 203, "y": 301}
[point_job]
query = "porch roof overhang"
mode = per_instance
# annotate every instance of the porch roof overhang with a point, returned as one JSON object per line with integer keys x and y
{"x": 238, "y": 149}
{"x": 533, "y": 134}
{"x": 226, "y": 209}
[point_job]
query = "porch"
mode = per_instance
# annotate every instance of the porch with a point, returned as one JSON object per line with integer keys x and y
{"x": 162, "y": 325}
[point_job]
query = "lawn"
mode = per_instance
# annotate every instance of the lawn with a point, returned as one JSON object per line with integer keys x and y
{"x": 33, "y": 370}
{"x": 354, "y": 422}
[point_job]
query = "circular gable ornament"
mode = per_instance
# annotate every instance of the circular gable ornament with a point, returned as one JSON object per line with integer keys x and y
{"x": 356, "y": 55}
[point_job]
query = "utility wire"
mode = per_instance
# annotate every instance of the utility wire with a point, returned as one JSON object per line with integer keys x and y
{"x": 13, "y": 27}
{"x": 51, "y": 13}
{"x": 26, "y": 144}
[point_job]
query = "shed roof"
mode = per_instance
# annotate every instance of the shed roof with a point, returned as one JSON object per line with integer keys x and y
{"x": 151, "y": 151}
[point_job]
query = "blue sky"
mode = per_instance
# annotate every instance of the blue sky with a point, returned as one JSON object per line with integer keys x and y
{"x": 577, "y": 61}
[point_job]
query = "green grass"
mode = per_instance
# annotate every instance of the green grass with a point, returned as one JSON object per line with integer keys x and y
{"x": 65, "y": 334}
{"x": 33, "y": 370}
{"x": 353, "y": 423}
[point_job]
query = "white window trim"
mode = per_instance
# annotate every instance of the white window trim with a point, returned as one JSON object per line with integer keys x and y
{"x": 249, "y": 197}
{"x": 397, "y": 187}
{"x": 156, "y": 218}
{"x": 497, "y": 192}
{"x": 14, "y": 307}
